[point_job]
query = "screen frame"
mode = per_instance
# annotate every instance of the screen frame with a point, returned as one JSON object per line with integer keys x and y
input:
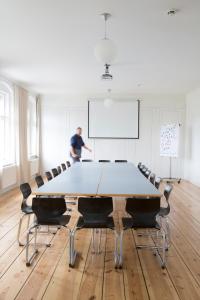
{"x": 114, "y": 138}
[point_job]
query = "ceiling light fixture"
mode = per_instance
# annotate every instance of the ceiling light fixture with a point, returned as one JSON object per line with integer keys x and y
{"x": 106, "y": 75}
{"x": 105, "y": 50}
{"x": 172, "y": 12}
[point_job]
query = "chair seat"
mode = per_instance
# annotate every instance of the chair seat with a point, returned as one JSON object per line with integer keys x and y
{"x": 131, "y": 223}
{"x": 62, "y": 221}
{"x": 164, "y": 211}
{"x": 27, "y": 210}
{"x": 107, "y": 223}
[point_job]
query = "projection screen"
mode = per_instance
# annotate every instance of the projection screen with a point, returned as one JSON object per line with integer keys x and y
{"x": 118, "y": 121}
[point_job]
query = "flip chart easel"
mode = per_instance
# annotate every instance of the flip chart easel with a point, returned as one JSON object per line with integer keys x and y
{"x": 169, "y": 145}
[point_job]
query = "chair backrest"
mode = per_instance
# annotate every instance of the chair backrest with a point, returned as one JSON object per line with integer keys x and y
{"x": 64, "y": 167}
{"x": 48, "y": 210}
{"x": 55, "y": 172}
{"x": 157, "y": 182}
{"x": 95, "y": 209}
{"x": 26, "y": 192}
{"x": 25, "y": 189}
{"x": 39, "y": 180}
{"x": 147, "y": 174}
{"x": 59, "y": 169}
{"x": 49, "y": 175}
{"x": 141, "y": 167}
{"x": 121, "y": 161}
{"x": 68, "y": 164}
{"x": 143, "y": 170}
{"x": 104, "y": 160}
{"x": 87, "y": 160}
{"x": 167, "y": 191}
{"x": 152, "y": 178}
{"x": 143, "y": 211}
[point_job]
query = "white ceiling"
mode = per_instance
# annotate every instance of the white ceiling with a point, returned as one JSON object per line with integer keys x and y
{"x": 48, "y": 45}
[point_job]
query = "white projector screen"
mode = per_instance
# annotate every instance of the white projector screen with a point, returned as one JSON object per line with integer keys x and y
{"x": 119, "y": 121}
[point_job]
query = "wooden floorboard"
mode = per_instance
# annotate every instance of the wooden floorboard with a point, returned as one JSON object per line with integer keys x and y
{"x": 94, "y": 276}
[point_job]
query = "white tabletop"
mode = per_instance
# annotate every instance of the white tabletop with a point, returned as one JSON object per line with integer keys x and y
{"x": 100, "y": 179}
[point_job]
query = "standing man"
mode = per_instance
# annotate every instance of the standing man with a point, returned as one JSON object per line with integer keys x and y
{"x": 76, "y": 145}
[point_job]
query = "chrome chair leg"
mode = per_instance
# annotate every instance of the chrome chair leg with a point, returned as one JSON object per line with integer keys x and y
{"x": 30, "y": 259}
{"x": 99, "y": 232}
{"x": 72, "y": 251}
{"x": 120, "y": 255}
{"x": 163, "y": 261}
{"x": 19, "y": 231}
{"x": 93, "y": 240}
{"x": 28, "y": 221}
{"x": 168, "y": 233}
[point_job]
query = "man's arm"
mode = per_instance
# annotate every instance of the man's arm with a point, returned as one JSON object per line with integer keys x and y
{"x": 87, "y": 148}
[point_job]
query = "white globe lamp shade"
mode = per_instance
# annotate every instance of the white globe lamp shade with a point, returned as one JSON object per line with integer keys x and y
{"x": 105, "y": 51}
{"x": 108, "y": 102}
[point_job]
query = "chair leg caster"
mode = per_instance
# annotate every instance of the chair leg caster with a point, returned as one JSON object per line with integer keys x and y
{"x": 21, "y": 245}
{"x": 71, "y": 266}
{"x": 28, "y": 264}
{"x": 48, "y": 245}
{"x": 163, "y": 266}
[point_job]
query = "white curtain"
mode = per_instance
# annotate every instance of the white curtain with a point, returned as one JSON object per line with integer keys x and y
{"x": 39, "y": 150}
{"x": 21, "y": 98}
{"x": 1, "y": 160}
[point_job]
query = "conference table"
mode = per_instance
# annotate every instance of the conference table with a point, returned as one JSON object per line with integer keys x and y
{"x": 100, "y": 179}
{"x": 94, "y": 179}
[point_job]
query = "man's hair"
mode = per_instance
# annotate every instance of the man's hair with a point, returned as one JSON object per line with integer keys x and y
{"x": 78, "y": 128}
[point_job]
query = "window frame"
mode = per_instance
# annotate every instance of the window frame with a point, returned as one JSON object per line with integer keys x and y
{"x": 8, "y": 118}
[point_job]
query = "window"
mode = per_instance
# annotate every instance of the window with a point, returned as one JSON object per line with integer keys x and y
{"x": 7, "y": 125}
{"x": 32, "y": 127}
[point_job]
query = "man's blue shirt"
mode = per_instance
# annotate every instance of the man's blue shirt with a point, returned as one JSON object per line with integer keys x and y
{"x": 77, "y": 141}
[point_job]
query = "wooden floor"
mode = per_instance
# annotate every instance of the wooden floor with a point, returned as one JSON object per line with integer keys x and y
{"x": 94, "y": 276}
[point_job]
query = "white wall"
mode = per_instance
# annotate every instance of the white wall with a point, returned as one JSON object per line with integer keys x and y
{"x": 192, "y": 151}
{"x": 60, "y": 116}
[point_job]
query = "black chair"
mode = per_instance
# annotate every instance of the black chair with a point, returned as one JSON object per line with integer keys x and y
{"x": 25, "y": 208}
{"x": 59, "y": 169}
{"x": 95, "y": 214}
{"x": 48, "y": 212}
{"x": 68, "y": 164}
{"x": 121, "y": 161}
{"x": 164, "y": 212}
{"x": 87, "y": 160}
{"x": 49, "y": 175}
{"x": 143, "y": 170}
{"x": 39, "y": 180}
{"x": 141, "y": 167}
{"x": 152, "y": 178}
{"x": 147, "y": 174}
{"x": 64, "y": 168}
{"x": 143, "y": 212}
{"x": 104, "y": 160}
{"x": 157, "y": 182}
{"x": 55, "y": 172}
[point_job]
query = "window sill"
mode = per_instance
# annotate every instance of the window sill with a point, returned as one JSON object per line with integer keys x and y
{"x": 9, "y": 166}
